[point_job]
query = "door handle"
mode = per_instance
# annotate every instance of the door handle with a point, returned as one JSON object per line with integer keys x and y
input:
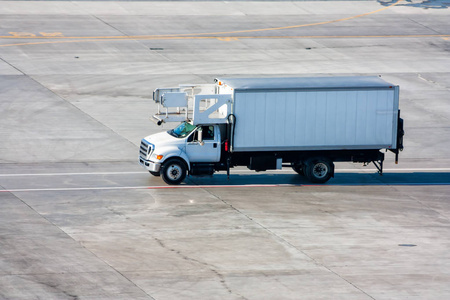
{"x": 215, "y": 145}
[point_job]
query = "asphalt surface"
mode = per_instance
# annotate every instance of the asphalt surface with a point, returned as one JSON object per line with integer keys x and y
{"x": 80, "y": 219}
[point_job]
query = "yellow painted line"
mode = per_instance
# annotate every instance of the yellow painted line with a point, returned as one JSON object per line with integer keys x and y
{"x": 235, "y": 38}
{"x": 225, "y": 38}
{"x": 58, "y": 35}
{"x": 302, "y": 25}
{"x": 444, "y": 36}
{"x": 49, "y": 42}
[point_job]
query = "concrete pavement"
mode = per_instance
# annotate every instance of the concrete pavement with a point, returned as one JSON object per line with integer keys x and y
{"x": 79, "y": 219}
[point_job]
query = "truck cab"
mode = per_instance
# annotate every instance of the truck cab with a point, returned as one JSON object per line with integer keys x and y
{"x": 186, "y": 148}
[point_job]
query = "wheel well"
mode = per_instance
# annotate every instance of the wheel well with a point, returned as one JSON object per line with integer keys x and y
{"x": 180, "y": 159}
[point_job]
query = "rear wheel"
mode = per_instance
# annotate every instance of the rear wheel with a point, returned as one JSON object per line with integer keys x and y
{"x": 319, "y": 170}
{"x": 173, "y": 171}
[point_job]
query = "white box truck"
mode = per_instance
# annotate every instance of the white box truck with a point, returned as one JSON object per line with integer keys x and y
{"x": 306, "y": 123}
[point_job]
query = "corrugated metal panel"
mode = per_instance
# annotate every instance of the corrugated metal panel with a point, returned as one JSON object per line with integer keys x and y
{"x": 352, "y": 119}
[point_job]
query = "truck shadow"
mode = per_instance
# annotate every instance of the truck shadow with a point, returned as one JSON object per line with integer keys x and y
{"x": 340, "y": 179}
{"x": 425, "y": 4}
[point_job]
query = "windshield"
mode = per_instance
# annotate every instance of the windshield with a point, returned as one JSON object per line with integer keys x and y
{"x": 182, "y": 130}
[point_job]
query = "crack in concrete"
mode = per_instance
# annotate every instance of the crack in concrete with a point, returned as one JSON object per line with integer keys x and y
{"x": 210, "y": 267}
{"x": 420, "y": 76}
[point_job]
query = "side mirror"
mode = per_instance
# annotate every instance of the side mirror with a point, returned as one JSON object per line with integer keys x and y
{"x": 200, "y": 136}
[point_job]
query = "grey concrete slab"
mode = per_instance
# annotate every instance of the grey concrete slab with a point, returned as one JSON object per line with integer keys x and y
{"x": 41, "y": 126}
{"x": 37, "y": 258}
{"x": 117, "y": 208}
{"x": 80, "y": 219}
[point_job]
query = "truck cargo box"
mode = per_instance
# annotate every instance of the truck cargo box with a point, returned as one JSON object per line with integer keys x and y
{"x": 315, "y": 113}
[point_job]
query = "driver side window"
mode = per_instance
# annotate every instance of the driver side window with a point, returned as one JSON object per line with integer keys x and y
{"x": 208, "y": 133}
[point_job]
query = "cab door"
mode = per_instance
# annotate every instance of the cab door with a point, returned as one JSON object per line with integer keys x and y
{"x": 210, "y": 150}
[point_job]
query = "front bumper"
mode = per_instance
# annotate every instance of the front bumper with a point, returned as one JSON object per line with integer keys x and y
{"x": 149, "y": 165}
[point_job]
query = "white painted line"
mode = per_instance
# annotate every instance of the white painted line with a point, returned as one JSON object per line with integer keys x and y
{"x": 142, "y": 187}
{"x": 70, "y": 174}
{"x": 75, "y": 189}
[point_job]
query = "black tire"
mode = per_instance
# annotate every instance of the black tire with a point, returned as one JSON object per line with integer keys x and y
{"x": 157, "y": 174}
{"x": 173, "y": 171}
{"x": 319, "y": 170}
{"x": 299, "y": 168}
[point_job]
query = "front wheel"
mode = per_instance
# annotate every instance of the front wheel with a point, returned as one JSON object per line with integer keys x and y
{"x": 173, "y": 171}
{"x": 319, "y": 170}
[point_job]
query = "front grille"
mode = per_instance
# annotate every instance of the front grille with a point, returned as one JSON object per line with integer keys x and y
{"x": 145, "y": 149}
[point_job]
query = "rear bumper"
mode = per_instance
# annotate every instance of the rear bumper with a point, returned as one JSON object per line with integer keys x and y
{"x": 149, "y": 165}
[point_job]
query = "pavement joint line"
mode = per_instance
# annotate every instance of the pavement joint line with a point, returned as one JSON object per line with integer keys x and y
{"x": 223, "y": 38}
{"x": 235, "y": 172}
{"x": 222, "y": 186}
